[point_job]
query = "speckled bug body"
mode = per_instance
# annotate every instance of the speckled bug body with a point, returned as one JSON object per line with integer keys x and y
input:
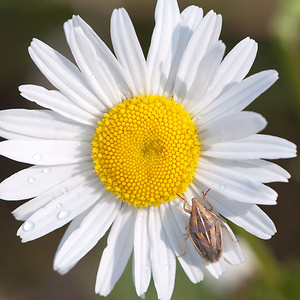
{"x": 204, "y": 229}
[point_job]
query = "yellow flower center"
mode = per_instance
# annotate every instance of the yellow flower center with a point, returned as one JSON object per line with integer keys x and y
{"x": 145, "y": 150}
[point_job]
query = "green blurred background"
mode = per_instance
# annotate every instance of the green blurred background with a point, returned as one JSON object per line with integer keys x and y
{"x": 272, "y": 268}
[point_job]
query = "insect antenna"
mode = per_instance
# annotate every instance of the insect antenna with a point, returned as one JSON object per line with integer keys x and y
{"x": 181, "y": 197}
{"x": 205, "y": 193}
{"x": 204, "y": 199}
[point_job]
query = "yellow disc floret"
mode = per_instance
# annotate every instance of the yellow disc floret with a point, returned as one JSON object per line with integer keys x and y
{"x": 145, "y": 150}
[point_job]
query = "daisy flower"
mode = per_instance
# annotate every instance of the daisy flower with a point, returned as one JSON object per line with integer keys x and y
{"x": 121, "y": 137}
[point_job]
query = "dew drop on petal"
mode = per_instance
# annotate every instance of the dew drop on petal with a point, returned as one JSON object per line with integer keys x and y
{"x": 46, "y": 170}
{"x": 63, "y": 214}
{"x": 59, "y": 205}
{"x": 92, "y": 76}
{"x": 28, "y": 226}
{"x": 37, "y": 156}
{"x": 31, "y": 180}
{"x": 222, "y": 186}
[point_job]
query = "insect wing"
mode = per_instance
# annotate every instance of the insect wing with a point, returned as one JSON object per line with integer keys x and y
{"x": 208, "y": 244}
{"x": 201, "y": 220}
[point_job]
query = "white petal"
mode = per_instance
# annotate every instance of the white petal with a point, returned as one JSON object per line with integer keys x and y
{"x": 193, "y": 54}
{"x": 67, "y": 29}
{"x": 232, "y": 251}
{"x": 91, "y": 229}
{"x": 117, "y": 252}
{"x": 238, "y": 97}
{"x": 232, "y": 127}
{"x": 74, "y": 225}
{"x": 43, "y": 124}
{"x": 128, "y": 50}
{"x": 6, "y": 134}
{"x": 27, "y": 209}
{"x": 95, "y": 71}
{"x": 254, "y": 169}
{"x": 189, "y": 21}
{"x": 216, "y": 269}
{"x": 204, "y": 74}
{"x": 268, "y": 172}
{"x": 37, "y": 179}
{"x": 233, "y": 68}
{"x": 61, "y": 210}
{"x": 101, "y": 69}
{"x": 46, "y": 152}
{"x": 233, "y": 184}
{"x": 163, "y": 42}
{"x": 65, "y": 271}
{"x": 162, "y": 256}
{"x": 191, "y": 17}
{"x": 252, "y": 147}
{"x": 57, "y": 102}
{"x": 190, "y": 262}
{"x": 246, "y": 215}
{"x": 251, "y": 218}
{"x": 142, "y": 264}
{"x": 216, "y": 31}
{"x": 65, "y": 76}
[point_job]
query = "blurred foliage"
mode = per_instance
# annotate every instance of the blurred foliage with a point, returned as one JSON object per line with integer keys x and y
{"x": 286, "y": 31}
{"x": 17, "y": 29}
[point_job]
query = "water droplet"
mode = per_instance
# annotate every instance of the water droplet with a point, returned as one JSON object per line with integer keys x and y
{"x": 37, "y": 156}
{"x": 31, "y": 180}
{"x": 63, "y": 214}
{"x": 222, "y": 186}
{"x": 92, "y": 76}
{"x": 46, "y": 170}
{"x": 168, "y": 267}
{"x": 28, "y": 226}
{"x": 59, "y": 205}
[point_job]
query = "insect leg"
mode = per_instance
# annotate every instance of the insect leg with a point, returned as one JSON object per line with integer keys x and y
{"x": 204, "y": 199}
{"x": 223, "y": 220}
{"x": 184, "y": 250}
{"x": 234, "y": 239}
{"x": 185, "y": 209}
{"x": 184, "y": 205}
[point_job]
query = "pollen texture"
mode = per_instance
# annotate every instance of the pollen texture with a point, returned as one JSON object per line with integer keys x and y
{"x": 145, "y": 150}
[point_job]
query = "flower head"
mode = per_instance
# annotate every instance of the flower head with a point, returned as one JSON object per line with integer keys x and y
{"x": 124, "y": 138}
